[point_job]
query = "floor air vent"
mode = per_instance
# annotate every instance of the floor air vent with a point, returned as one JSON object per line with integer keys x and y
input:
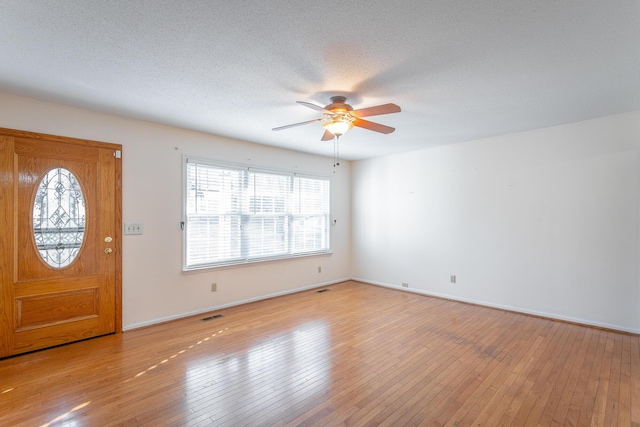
{"x": 215, "y": 316}
{"x": 323, "y": 290}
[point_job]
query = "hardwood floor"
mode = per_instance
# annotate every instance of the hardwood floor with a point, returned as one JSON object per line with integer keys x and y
{"x": 357, "y": 355}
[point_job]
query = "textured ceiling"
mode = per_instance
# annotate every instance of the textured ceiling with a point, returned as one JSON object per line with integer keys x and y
{"x": 460, "y": 70}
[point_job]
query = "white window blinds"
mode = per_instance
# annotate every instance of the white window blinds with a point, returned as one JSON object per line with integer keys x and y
{"x": 240, "y": 215}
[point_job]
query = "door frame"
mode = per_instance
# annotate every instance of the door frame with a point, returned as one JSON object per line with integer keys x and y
{"x": 117, "y": 243}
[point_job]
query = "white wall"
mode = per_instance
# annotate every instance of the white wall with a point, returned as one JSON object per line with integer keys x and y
{"x": 543, "y": 222}
{"x": 154, "y": 288}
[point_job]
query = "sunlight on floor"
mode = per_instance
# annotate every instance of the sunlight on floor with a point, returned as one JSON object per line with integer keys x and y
{"x": 63, "y": 416}
{"x": 301, "y": 356}
{"x": 308, "y": 355}
{"x": 61, "y": 420}
{"x": 152, "y": 367}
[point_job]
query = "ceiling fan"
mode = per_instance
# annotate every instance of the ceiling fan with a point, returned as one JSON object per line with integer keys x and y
{"x": 339, "y": 117}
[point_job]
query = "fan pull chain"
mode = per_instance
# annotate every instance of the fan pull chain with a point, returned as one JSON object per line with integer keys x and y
{"x": 336, "y": 151}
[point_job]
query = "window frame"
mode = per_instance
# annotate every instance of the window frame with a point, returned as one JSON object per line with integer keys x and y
{"x": 246, "y": 259}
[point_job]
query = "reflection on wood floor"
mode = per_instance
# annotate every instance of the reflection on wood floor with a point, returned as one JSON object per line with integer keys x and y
{"x": 355, "y": 355}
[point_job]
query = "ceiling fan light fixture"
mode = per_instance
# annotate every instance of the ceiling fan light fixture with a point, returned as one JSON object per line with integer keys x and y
{"x": 338, "y": 126}
{"x": 339, "y": 117}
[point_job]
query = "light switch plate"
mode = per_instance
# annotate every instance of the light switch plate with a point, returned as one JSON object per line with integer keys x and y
{"x": 133, "y": 228}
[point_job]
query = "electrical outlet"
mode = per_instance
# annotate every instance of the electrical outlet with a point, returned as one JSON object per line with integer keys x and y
{"x": 133, "y": 228}
{"x": 453, "y": 279}
{"x": 214, "y": 287}
{"x": 405, "y": 285}
{"x": 319, "y": 269}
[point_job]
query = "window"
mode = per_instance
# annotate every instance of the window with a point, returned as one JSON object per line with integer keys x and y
{"x": 59, "y": 217}
{"x": 236, "y": 215}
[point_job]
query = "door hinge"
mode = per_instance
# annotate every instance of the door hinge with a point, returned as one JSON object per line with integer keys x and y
{"x": 117, "y": 154}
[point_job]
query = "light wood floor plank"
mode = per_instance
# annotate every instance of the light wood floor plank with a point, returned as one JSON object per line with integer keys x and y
{"x": 357, "y": 355}
{"x": 374, "y": 406}
{"x": 600, "y": 404}
{"x": 588, "y": 404}
{"x": 492, "y": 378}
{"x": 613, "y": 402}
{"x": 550, "y": 395}
{"x": 424, "y": 378}
{"x": 624, "y": 410}
{"x": 635, "y": 382}
{"x": 575, "y": 366}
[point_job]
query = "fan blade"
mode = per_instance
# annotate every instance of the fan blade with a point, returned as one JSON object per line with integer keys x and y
{"x": 296, "y": 124}
{"x": 376, "y": 127}
{"x": 327, "y": 136}
{"x": 313, "y": 106}
{"x": 377, "y": 110}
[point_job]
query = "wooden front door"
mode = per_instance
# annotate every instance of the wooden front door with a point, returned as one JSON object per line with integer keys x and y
{"x": 60, "y": 233}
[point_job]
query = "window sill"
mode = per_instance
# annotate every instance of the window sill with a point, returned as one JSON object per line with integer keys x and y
{"x": 254, "y": 262}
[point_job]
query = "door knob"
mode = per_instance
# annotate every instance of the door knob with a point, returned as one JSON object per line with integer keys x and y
{"x": 108, "y": 239}
{"x": 108, "y": 251}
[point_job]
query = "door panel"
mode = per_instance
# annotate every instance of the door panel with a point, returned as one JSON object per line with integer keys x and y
{"x": 31, "y": 170}
{"x": 33, "y": 311}
{"x": 42, "y": 305}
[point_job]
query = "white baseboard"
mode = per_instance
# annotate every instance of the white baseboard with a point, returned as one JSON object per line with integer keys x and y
{"x": 503, "y": 307}
{"x": 386, "y": 285}
{"x": 232, "y": 304}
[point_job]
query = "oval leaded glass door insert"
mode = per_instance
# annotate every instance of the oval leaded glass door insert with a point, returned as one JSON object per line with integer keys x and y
{"x": 59, "y": 217}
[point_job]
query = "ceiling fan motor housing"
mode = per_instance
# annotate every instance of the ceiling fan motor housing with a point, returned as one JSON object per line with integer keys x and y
{"x": 338, "y": 103}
